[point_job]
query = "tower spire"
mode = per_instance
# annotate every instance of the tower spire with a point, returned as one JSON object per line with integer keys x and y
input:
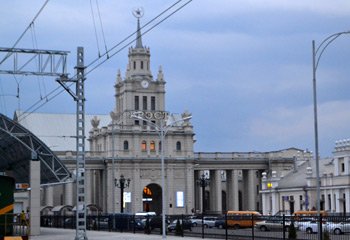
{"x": 138, "y": 13}
{"x": 138, "y": 36}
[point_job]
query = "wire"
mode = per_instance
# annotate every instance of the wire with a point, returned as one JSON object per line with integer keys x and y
{"x": 103, "y": 33}
{"x": 95, "y": 30}
{"x": 33, "y": 108}
{"x": 29, "y": 26}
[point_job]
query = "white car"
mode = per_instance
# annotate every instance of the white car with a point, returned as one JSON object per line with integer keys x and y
{"x": 312, "y": 226}
{"x": 196, "y": 221}
{"x": 339, "y": 228}
{"x": 209, "y": 222}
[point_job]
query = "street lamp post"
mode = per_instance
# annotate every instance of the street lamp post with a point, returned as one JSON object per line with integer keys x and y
{"x": 203, "y": 182}
{"x": 162, "y": 127}
{"x": 122, "y": 183}
{"x": 316, "y": 56}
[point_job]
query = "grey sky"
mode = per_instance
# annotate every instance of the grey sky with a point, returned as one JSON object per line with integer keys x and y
{"x": 242, "y": 67}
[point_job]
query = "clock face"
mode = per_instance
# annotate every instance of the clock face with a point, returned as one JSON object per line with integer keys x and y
{"x": 144, "y": 84}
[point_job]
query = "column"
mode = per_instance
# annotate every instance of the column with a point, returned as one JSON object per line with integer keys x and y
{"x": 170, "y": 193}
{"x": 347, "y": 199}
{"x": 215, "y": 190}
{"x": 198, "y": 193}
{"x": 136, "y": 190}
{"x": 337, "y": 202}
{"x": 249, "y": 190}
{"x": 232, "y": 189}
{"x": 49, "y": 196}
{"x": 88, "y": 185}
{"x": 68, "y": 194}
{"x": 218, "y": 191}
{"x": 189, "y": 189}
{"x": 34, "y": 198}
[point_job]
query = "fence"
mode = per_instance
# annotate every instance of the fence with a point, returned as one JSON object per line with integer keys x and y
{"x": 216, "y": 226}
{"x": 12, "y": 225}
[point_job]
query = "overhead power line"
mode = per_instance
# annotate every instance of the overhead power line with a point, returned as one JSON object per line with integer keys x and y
{"x": 29, "y": 26}
{"x": 108, "y": 54}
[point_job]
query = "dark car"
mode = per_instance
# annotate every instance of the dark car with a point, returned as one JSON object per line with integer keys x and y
{"x": 186, "y": 225}
{"x": 220, "y": 223}
{"x": 156, "y": 222}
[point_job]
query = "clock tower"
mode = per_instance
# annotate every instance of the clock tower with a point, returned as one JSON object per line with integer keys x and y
{"x": 138, "y": 91}
{"x": 133, "y": 148}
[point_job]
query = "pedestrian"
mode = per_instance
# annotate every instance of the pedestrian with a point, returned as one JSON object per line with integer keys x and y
{"x": 22, "y": 218}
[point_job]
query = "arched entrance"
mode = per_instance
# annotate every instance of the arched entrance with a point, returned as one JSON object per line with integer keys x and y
{"x": 152, "y": 198}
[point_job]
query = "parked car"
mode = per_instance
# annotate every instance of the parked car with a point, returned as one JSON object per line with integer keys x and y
{"x": 186, "y": 225}
{"x": 156, "y": 222}
{"x": 273, "y": 225}
{"x": 209, "y": 222}
{"x": 312, "y": 226}
{"x": 195, "y": 220}
{"x": 220, "y": 223}
{"x": 339, "y": 228}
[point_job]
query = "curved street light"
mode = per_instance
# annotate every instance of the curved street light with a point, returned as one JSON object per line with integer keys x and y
{"x": 316, "y": 57}
{"x": 162, "y": 127}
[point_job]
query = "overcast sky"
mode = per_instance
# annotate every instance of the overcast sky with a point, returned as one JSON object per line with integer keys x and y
{"x": 243, "y": 68}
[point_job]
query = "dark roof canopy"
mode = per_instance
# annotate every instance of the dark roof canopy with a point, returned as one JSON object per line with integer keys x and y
{"x": 18, "y": 146}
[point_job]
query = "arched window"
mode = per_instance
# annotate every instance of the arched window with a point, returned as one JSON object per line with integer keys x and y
{"x": 144, "y": 146}
{"x": 126, "y": 145}
{"x": 178, "y": 146}
{"x": 152, "y": 146}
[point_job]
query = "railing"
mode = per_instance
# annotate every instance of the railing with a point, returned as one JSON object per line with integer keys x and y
{"x": 12, "y": 225}
{"x": 216, "y": 226}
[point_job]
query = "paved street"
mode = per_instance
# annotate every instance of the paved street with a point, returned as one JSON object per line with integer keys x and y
{"x": 69, "y": 234}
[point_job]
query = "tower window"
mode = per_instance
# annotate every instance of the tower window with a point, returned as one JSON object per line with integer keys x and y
{"x": 137, "y": 103}
{"x": 152, "y": 146}
{"x": 144, "y": 103}
{"x": 144, "y": 146}
{"x": 178, "y": 146}
{"x": 126, "y": 145}
{"x": 153, "y": 103}
{"x": 134, "y": 65}
{"x": 141, "y": 64}
{"x": 137, "y": 122}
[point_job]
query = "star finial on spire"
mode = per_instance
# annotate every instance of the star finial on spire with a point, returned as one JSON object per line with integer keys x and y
{"x": 138, "y": 13}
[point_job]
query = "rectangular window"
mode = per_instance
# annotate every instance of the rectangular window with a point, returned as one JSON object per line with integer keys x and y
{"x": 153, "y": 103}
{"x": 134, "y": 65}
{"x": 141, "y": 64}
{"x": 329, "y": 202}
{"x": 180, "y": 199}
{"x": 137, "y": 103}
{"x": 144, "y": 103}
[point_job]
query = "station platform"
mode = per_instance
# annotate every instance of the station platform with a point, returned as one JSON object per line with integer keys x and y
{"x": 69, "y": 234}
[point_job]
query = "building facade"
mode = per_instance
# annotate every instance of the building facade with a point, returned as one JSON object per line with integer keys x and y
{"x": 121, "y": 145}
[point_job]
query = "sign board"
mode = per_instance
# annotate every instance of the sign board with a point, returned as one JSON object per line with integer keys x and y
{"x": 22, "y": 186}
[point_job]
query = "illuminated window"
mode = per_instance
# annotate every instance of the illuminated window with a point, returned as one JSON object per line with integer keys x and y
{"x": 144, "y": 146}
{"x": 147, "y": 191}
{"x": 152, "y": 146}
